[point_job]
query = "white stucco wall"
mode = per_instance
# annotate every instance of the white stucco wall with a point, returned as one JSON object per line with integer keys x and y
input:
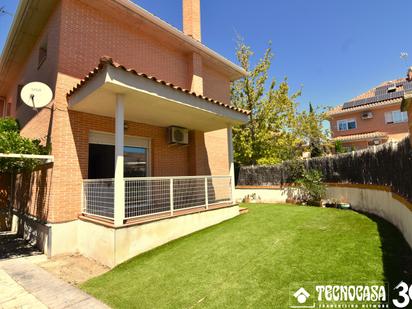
{"x": 266, "y": 195}
{"x": 111, "y": 246}
{"x": 377, "y": 202}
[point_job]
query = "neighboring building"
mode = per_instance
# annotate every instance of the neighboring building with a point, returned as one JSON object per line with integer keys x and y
{"x": 372, "y": 118}
{"x": 120, "y": 109}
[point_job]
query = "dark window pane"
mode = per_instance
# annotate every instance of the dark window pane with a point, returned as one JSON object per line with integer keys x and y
{"x": 135, "y": 162}
{"x": 101, "y": 161}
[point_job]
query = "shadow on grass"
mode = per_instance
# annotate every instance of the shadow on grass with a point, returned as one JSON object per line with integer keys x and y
{"x": 396, "y": 253}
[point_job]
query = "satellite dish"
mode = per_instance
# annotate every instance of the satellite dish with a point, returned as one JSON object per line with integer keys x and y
{"x": 36, "y": 95}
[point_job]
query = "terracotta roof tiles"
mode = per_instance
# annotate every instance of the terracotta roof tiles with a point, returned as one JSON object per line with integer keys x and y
{"x": 361, "y": 136}
{"x": 109, "y": 61}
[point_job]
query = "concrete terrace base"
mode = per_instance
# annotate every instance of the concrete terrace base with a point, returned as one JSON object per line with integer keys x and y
{"x": 112, "y": 246}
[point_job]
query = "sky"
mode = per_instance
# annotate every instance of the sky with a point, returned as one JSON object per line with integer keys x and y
{"x": 333, "y": 49}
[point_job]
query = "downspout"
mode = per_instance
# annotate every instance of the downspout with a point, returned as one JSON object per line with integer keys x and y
{"x": 3, "y": 103}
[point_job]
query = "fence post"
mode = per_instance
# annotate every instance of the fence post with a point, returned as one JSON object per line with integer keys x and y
{"x": 171, "y": 197}
{"x": 82, "y": 197}
{"x": 206, "y": 194}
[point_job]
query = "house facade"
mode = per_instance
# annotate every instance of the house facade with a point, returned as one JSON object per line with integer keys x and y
{"x": 139, "y": 126}
{"x": 372, "y": 118}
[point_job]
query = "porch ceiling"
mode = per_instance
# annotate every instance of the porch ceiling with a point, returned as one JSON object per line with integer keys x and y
{"x": 148, "y": 100}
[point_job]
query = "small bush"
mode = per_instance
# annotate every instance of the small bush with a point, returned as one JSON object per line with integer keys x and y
{"x": 311, "y": 185}
{"x": 12, "y": 142}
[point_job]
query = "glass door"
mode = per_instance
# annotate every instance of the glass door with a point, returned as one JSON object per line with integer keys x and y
{"x": 135, "y": 162}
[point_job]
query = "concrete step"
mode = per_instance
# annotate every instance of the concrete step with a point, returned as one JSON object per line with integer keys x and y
{"x": 243, "y": 210}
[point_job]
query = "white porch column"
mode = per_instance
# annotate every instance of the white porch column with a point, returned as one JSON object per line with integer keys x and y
{"x": 231, "y": 161}
{"x": 119, "y": 186}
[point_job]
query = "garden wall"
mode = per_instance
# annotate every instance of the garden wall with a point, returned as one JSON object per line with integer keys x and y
{"x": 387, "y": 165}
{"x": 377, "y": 180}
{"x": 377, "y": 200}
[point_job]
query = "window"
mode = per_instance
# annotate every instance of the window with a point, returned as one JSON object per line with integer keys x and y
{"x": 346, "y": 124}
{"x": 101, "y": 161}
{"x": 396, "y": 117}
{"x": 135, "y": 161}
{"x": 102, "y": 156}
{"x": 392, "y": 89}
{"x": 42, "y": 53}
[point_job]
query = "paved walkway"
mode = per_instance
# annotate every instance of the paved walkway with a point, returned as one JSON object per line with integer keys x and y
{"x": 24, "y": 284}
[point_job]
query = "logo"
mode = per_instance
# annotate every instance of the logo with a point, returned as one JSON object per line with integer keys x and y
{"x": 301, "y": 295}
{"x": 311, "y": 295}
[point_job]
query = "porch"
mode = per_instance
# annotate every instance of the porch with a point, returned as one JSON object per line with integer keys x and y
{"x": 153, "y": 198}
{"x": 112, "y": 90}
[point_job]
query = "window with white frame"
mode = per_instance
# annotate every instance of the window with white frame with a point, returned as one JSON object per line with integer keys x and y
{"x": 346, "y": 124}
{"x": 396, "y": 117}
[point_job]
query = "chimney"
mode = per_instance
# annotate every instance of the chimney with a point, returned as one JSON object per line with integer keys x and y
{"x": 191, "y": 18}
{"x": 409, "y": 74}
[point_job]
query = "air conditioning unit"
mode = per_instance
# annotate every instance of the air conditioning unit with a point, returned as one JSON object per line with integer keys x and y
{"x": 178, "y": 135}
{"x": 367, "y": 115}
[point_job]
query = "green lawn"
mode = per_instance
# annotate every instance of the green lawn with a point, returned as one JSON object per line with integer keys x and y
{"x": 251, "y": 260}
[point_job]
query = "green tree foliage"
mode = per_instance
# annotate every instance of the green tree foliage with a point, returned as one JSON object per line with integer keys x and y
{"x": 339, "y": 147}
{"x": 311, "y": 185}
{"x": 12, "y": 142}
{"x": 312, "y": 132}
{"x": 276, "y": 131}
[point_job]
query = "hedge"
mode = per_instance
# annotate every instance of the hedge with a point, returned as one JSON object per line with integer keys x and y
{"x": 389, "y": 165}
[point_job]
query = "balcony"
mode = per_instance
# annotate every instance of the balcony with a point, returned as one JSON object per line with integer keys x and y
{"x": 153, "y": 198}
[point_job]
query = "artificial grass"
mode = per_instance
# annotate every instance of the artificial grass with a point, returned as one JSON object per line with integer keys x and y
{"x": 251, "y": 260}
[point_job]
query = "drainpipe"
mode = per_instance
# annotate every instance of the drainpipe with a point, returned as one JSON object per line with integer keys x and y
{"x": 49, "y": 240}
{"x": 231, "y": 161}
{"x": 3, "y": 104}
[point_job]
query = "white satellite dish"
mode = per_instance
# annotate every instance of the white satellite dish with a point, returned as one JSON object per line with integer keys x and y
{"x": 36, "y": 95}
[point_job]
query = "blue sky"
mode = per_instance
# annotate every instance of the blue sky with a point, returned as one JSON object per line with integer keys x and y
{"x": 334, "y": 49}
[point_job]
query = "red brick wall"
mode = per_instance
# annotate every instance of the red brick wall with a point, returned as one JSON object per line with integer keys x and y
{"x": 79, "y": 33}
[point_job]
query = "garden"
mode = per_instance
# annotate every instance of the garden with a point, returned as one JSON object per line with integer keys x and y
{"x": 251, "y": 260}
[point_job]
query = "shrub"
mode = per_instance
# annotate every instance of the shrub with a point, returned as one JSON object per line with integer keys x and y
{"x": 311, "y": 185}
{"x": 12, "y": 142}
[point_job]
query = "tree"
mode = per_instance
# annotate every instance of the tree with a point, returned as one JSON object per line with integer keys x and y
{"x": 312, "y": 132}
{"x": 269, "y": 136}
{"x": 12, "y": 142}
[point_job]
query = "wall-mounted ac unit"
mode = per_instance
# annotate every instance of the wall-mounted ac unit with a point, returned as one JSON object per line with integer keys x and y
{"x": 178, "y": 135}
{"x": 367, "y": 115}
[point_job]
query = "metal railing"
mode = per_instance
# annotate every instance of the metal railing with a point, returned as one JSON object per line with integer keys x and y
{"x": 98, "y": 197}
{"x": 146, "y": 196}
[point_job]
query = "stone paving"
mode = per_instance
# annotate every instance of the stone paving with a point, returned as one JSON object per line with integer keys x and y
{"x": 13, "y": 295}
{"x": 24, "y": 284}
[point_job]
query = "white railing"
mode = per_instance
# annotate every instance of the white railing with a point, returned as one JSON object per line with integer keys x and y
{"x": 146, "y": 196}
{"x": 98, "y": 197}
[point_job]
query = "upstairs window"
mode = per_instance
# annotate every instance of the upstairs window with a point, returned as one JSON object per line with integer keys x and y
{"x": 391, "y": 89}
{"x": 396, "y": 117}
{"x": 346, "y": 124}
{"x": 42, "y": 53}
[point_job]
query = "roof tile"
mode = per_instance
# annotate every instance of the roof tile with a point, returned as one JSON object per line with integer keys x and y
{"x": 105, "y": 60}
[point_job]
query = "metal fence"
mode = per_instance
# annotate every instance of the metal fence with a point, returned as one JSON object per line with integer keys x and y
{"x": 146, "y": 196}
{"x": 389, "y": 165}
{"x": 98, "y": 195}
